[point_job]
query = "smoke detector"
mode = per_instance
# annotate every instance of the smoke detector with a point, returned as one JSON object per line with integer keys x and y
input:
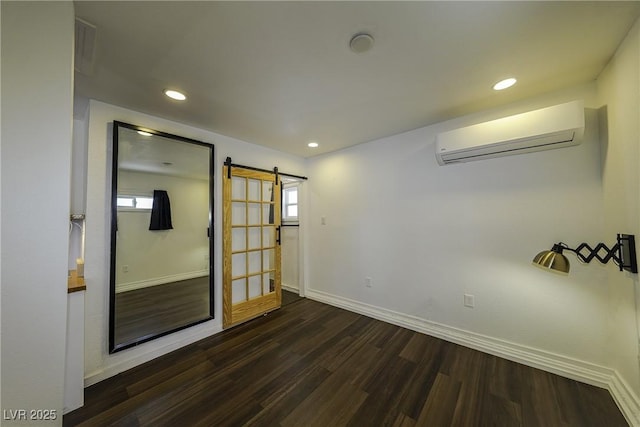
{"x": 361, "y": 42}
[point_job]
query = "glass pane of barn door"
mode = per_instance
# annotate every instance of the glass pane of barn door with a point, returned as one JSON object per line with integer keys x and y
{"x": 251, "y": 274}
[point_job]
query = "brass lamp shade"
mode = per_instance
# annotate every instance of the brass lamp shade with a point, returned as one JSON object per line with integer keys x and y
{"x": 552, "y": 260}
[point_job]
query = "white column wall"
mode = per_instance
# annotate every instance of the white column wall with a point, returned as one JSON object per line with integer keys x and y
{"x": 37, "y": 100}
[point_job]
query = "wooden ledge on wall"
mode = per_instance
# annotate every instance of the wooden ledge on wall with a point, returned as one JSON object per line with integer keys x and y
{"x": 75, "y": 283}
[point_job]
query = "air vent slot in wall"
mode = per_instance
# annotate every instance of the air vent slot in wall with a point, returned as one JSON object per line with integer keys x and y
{"x": 85, "y": 47}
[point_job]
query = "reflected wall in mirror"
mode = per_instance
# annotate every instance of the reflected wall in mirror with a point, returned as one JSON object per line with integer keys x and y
{"x": 161, "y": 244}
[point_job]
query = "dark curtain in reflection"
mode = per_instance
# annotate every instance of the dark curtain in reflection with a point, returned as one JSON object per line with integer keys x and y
{"x": 161, "y": 211}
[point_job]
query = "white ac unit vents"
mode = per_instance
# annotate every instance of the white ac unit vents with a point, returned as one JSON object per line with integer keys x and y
{"x": 552, "y": 127}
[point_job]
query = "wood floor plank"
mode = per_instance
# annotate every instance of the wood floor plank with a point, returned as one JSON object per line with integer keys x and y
{"x": 333, "y": 403}
{"x": 156, "y": 396}
{"x": 499, "y": 411}
{"x": 389, "y": 352}
{"x": 569, "y": 401}
{"x": 596, "y": 406}
{"x": 287, "y": 395}
{"x": 441, "y": 403}
{"x": 417, "y": 391}
{"x": 185, "y": 405}
{"x": 470, "y": 370}
{"x": 160, "y": 376}
{"x": 540, "y": 406}
{"x": 357, "y": 368}
{"x": 504, "y": 378}
{"x": 345, "y": 348}
{"x": 404, "y": 421}
{"x": 330, "y": 328}
{"x": 420, "y": 347}
{"x": 385, "y": 390}
{"x": 310, "y": 364}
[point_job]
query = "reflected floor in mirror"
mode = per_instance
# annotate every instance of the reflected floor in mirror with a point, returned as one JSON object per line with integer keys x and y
{"x": 161, "y": 308}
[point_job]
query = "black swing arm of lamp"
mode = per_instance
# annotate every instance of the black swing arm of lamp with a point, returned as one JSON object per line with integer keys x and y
{"x": 623, "y": 253}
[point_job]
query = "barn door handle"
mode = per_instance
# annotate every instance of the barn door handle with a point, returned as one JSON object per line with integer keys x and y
{"x": 278, "y": 238}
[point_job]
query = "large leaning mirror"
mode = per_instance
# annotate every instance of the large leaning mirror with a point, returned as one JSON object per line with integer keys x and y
{"x": 161, "y": 235}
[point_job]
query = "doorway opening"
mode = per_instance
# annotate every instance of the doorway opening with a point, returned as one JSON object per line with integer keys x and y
{"x": 292, "y": 250}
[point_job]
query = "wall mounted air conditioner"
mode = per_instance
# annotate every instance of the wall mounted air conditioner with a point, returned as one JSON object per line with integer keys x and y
{"x": 552, "y": 127}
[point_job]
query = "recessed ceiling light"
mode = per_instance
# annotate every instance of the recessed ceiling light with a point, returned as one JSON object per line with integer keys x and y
{"x": 504, "y": 84}
{"x": 312, "y": 144}
{"x": 143, "y": 133}
{"x": 174, "y": 94}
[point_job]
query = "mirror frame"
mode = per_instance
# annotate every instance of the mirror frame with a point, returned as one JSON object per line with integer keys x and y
{"x": 117, "y": 125}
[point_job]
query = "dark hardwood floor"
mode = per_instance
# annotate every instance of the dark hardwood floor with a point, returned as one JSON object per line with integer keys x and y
{"x": 289, "y": 297}
{"x": 310, "y": 364}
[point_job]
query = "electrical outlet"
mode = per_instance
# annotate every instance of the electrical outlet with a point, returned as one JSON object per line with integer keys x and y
{"x": 125, "y": 268}
{"x": 367, "y": 282}
{"x": 469, "y": 300}
{"x": 323, "y": 220}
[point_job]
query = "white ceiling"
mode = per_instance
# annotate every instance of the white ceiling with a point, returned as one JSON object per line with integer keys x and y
{"x": 281, "y": 74}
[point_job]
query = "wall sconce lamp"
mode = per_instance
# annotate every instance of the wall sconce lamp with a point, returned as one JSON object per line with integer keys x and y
{"x": 623, "y": 253}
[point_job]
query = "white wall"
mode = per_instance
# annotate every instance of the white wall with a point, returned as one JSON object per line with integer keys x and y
{"x": 37, "y": 88}
{"x": 290, "y": 259}
{"x": 99, "y": 364}
{"x": 619, "y": 93}
{"x": 157, "y": 257}
{"x": 427, "y": 235}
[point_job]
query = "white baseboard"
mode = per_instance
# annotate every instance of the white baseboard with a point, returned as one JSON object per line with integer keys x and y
{"x": 155, "y": 281}
{"x": 199, "y": 332}
{"x": 625, "y": 398}
{"x": 564, "y": 366}
{"x": 289, "y": 288}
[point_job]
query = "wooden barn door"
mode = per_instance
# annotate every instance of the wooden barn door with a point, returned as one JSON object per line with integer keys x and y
{"x": 251, "y": 241}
